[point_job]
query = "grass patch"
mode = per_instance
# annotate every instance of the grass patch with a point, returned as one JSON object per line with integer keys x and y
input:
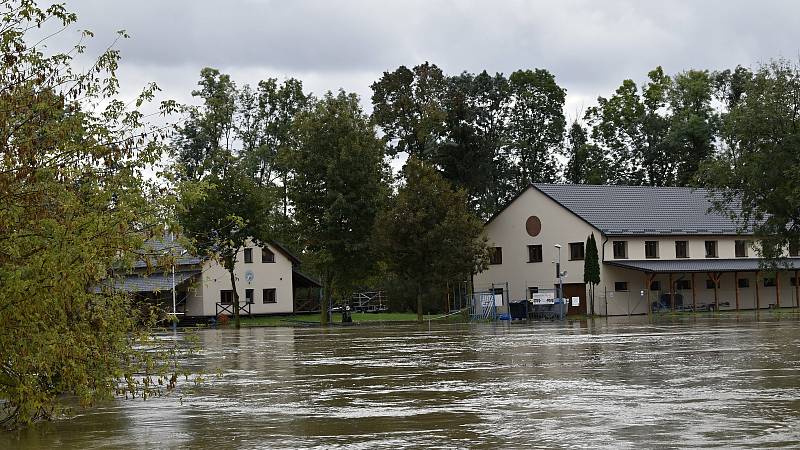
{"x": 313, "y": 319}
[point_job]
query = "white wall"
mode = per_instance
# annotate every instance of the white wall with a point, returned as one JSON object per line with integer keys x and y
{"x": 507, "y": 230}
{"x": 214, "y": 278}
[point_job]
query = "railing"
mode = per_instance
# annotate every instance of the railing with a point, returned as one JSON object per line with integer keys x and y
{"x": 369, "y": 301}
{"x": 227, "y": 308}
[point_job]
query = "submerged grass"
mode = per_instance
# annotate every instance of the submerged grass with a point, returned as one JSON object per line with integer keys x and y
{"x": 313, "y": 319}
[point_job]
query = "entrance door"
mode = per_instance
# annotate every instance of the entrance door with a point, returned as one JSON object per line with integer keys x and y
{"x": 575, "y": 290}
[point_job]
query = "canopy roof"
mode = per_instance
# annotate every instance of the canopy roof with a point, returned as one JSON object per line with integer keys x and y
{"x": 702, "y": 265}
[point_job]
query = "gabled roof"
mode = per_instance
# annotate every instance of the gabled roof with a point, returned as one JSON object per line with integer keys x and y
{"x": 641, "y": 210}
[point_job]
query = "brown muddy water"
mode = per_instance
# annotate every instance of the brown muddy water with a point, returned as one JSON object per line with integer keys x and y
{"x": 621, "y": 383}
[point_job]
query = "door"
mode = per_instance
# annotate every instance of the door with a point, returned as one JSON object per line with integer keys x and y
{"x": 575, "y": 290}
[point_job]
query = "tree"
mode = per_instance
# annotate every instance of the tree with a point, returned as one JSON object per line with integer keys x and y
{"x": 536, "y": 126}
{"x": 591, "y": 268}
{"x": 224, "y": 198}
{"x": 428, "y": 236}
{"x": 659, "y": 135}
{"x": 587, "y": 163}
{"x": 755, "y": 176}
{"x": 337, "y": 185}
{"x": 74, "y": 210}
{"x": 407, "y": 105}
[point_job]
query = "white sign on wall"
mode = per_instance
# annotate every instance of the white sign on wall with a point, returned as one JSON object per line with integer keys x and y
{"x": 543, "y": 298}
{"x": 576, "y": 301}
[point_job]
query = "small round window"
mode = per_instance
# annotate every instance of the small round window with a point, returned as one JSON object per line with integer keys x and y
{"x": 533, "y": 225}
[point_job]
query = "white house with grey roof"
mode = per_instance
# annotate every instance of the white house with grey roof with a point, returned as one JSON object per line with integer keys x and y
{"x": 655, "y": 244}
{"x": 268, "y": 280}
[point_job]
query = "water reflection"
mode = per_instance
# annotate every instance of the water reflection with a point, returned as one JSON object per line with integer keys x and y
{"x": 623, "y": 382}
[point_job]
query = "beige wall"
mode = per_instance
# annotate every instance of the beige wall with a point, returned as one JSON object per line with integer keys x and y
{"x": 725, "y": 246}
{"x": 214, "y": 278}
{"x": 507, "y": 230}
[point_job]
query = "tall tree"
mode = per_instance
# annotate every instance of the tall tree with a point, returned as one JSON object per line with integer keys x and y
{"x": 337, "y": 186}
{"x": 586, "y": 163}
{"x": 591, "y": 268}
{"x": 74, "y": 210}
{"x": 757, "y": 172}
{"x": 408, "y": 106}
{"x": 224, "y": 200}
{"x": 536, "y": 125}
{"x": 428, "y": 235}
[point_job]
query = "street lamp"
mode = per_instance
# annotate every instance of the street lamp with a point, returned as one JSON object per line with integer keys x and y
{"x": 559, "y": 274}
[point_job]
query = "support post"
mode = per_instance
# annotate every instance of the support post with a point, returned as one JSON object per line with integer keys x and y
{"x": 671, "y": 294}
{"x": 778, "y": 289}
{"x": 694, "y": 295}
{"x": 715, "y": 279}
{"x": 736, "y": 285}
{"x": 758, "y": 293}
{"x": 796, "y": 290}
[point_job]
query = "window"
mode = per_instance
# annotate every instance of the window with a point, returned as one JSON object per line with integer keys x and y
{"x": 769, "y": 282}
{"x": 576, "y": 251}
{"x": 267, "y": 256}
{"x": 743, "y": 282}
{"x": 248, "y": 296}
{"x": 620, "y": 250}
{"x": 711, "y": 249}
{"x": 534, "y": 253}
{"x": 655, "y": 285}
{"x": 621, "y": 286}
{"x": 248, "y": 255}
{"x": 794, "y": 249}
{"x": 533, "y": 290}
{"x": 651, "y": 249}
{"x": 683, "y": 285}
{"x": 710, "y": 284}
{"x": 496, "y": 255}
{"x": 741, "y": 249}
{"x": 681, "y": 249}
{"x": 269, "y": 296}
{"x": 226, "y": 297}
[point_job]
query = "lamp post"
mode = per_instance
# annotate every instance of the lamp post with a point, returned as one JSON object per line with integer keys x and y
{"x": 559, "y": 274}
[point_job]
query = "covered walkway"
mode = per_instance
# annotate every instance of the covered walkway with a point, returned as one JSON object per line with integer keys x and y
{"x": 713, "y": 270}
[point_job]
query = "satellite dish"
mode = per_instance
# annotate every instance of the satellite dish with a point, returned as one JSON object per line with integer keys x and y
{"x": 564, "y": 274}
{"x": 249, "y": 275}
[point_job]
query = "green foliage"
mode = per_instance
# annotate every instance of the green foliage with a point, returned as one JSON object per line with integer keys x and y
{"x": 427, "y": 235}
{"x": 759, "y": 163}
{"x": 337, "y": 185}
{"x": 490, "y": 135}
{"x": 658, "y": 135}
{"x": 591, "y": 267}
{"x": 73, "y": 210}
{"x": 587, "y": 163}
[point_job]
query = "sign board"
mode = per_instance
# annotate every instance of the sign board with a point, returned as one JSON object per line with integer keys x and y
{"x": 489, "y": 299}
{"x": 543, "y": 298}
{"x": 576, "y": 301}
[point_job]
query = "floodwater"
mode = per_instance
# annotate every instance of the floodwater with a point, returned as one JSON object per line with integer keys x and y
{"x": 621, "y": 383}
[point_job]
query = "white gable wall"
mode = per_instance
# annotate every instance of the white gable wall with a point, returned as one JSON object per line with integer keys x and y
{"x": 507, "y": 230}
{"x": 206, "y": 294}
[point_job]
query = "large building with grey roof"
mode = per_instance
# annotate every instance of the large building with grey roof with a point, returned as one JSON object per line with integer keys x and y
{"x": 660, "y": 248}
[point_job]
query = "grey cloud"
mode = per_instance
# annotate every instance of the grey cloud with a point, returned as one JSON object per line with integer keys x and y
{"x": 590, "y": 46}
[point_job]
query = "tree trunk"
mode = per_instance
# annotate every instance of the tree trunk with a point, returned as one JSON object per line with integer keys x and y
{"x": 325, "y": 301}
{"x": 236, "y": 321}
{"x": 419, "y": 304}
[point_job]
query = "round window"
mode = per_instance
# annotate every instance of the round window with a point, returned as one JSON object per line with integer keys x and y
{"x": 533, "y": 225}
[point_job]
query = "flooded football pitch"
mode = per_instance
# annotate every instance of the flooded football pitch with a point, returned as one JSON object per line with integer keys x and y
{"x": 728, "y": 381}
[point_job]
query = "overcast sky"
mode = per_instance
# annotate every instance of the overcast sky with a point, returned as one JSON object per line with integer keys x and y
{"x": 590, "y": 46}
